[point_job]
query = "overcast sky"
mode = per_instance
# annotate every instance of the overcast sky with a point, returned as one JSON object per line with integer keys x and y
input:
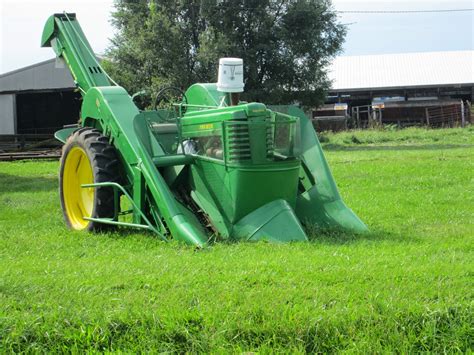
{"x": 22, "y": 21}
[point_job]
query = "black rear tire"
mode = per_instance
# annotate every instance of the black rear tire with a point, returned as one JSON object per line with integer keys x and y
{"x": 87, "y": 157}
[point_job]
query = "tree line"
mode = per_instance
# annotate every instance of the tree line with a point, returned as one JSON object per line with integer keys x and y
{"x": 286, "y": 45}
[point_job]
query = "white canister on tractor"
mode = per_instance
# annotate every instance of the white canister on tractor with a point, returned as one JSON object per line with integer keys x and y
{"x": 231, "y": 75}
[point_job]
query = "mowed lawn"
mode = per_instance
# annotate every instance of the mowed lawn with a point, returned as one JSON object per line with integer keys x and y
{"x": 408, "y": 286}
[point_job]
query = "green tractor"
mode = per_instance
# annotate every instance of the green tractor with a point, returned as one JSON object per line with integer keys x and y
{"x": 209, "y": 168}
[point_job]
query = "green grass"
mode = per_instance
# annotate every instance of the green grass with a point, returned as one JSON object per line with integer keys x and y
{"x": 407, "y": 138}
{"x": 406, "y": 287}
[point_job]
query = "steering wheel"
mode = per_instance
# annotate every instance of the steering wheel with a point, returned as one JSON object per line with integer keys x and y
{"x": 165, "y": 96}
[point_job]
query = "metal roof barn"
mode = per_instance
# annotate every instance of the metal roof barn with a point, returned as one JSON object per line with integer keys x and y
{"x": 402, "y": 70}
{"x": 37, "y": 99}
{"x": 41, "y": 76}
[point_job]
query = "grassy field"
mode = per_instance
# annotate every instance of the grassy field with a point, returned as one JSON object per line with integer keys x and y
{"x": 408, "y": 286}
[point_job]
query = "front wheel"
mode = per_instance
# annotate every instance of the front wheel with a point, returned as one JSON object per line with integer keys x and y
{"x": 87, "y": 158}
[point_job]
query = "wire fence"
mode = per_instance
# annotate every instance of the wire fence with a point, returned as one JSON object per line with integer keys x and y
{"x": 449, "y": 115}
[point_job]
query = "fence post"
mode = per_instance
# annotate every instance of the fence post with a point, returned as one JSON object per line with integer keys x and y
{"x": 427, "y": 116}
{"x": 463, "y": 118}
{"x": 358, "y": 116}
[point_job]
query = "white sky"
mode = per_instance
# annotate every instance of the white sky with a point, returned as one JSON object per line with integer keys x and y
{"x": 22, "y": 21}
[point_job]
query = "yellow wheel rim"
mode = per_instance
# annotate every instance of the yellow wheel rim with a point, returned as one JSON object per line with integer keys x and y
{"x": 79, "y": 202}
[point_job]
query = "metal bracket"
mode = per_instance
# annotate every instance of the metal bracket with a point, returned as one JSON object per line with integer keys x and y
{"x": 113, "y": 221}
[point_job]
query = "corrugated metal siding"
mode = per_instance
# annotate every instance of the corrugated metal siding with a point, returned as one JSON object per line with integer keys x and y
{"x": 7, "y": 114}
{"x": 402, "y": 70}
{"x": 41, "y": 76}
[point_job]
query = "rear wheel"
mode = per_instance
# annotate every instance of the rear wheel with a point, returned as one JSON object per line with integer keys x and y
{"x": 87, "y": 158}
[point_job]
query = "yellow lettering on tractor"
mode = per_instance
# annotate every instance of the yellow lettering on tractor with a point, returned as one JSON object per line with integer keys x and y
{"x": 206, "y": 126}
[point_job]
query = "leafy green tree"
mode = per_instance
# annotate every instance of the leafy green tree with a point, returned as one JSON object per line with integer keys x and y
{"x": 286, "y": 45}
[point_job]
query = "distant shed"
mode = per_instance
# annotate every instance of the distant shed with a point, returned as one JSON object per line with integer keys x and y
{"x": 37, "y": 99}
{"x": 437, "y": 85}
{"x": 360, "y": 79}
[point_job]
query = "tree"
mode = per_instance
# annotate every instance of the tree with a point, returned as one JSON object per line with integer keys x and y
{"x": 286, "y": 45}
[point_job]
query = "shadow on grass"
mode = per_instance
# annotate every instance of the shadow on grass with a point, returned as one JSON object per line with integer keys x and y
{"x": 12, "y": 183}
{"x": 318, "y": 235}
{"x": 315, "y": 235}
{"x": 341, "y": 147}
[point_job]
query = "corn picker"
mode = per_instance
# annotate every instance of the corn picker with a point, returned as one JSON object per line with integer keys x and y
{"x": 211, "y": 167}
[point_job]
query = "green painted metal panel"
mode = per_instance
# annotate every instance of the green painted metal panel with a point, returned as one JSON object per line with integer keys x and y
{"x": 64, "y": 34}
{"x": 274, "y": 222}
{"x": 63, "y": 134}
{"x": 230, "y": 193}
{"x": 320, "y": 202}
